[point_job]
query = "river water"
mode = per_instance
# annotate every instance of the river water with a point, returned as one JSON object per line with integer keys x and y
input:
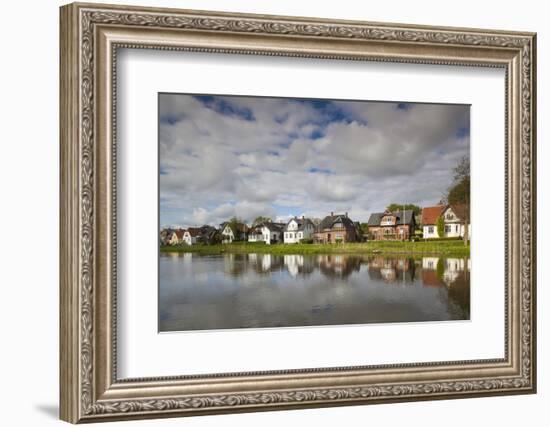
{"x": 230, "y": 291}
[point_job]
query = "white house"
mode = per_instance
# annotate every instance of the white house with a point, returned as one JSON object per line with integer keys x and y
{"x": 454, "y": 218}
{"x": 272, "y": 233}
{"x": 234, "y": 232}
{"x": 298, "y": 229}
{"x": 255, "y": 234}
{"x": 176, "y": 237}
{"x": 191, "y": 235}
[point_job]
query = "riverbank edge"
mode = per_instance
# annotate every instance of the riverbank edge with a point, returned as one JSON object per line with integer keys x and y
{"x": 444, "y": 248}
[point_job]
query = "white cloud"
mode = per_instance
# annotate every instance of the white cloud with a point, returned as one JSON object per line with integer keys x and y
{"x": 216, "y": 164}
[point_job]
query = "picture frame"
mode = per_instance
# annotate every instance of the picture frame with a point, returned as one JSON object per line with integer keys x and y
{"x": 91, "y": 35}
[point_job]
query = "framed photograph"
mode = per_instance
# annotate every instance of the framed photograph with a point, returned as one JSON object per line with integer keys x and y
{"x": 266, "y": 212}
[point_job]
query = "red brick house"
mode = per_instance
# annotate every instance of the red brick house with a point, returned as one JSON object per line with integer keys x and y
{"x": 337, "y": 229}
{"x": 388, "y": 225}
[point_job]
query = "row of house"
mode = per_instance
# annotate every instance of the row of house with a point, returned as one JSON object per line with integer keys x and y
{"x": 401, "y": 225}
{"x": 334, "y": 228}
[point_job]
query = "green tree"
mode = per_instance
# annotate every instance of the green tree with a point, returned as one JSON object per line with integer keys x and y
{"x": 396, "y": 207}
{"x": 234, "y": 224}
{"x": 440, "y": 224}
{"x": 260, "y": 219}
{"x": 459, "y": 192}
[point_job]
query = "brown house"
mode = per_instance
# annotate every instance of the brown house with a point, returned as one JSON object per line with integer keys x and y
{"x": 388, "y": 225}
{"x": 337, "y": 229}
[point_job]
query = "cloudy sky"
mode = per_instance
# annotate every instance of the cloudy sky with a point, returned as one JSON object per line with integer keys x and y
{"x": 278, "y": 157}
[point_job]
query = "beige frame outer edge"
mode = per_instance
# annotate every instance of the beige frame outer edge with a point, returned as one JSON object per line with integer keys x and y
{"x": 89, "y": 389}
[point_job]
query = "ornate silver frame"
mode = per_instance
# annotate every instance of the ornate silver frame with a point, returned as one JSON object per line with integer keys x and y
{"x": 90, "y": 36}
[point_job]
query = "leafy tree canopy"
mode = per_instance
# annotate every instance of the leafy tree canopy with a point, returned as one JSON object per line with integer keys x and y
{"x": 459, "y": 192}
{"x": 395, "y": 207}
{"x": 260, "y": 219}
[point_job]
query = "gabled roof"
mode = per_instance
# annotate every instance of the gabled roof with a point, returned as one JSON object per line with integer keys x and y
{"x": 402, "y": 217}
{"x": 273, "y": 226}
{"x": 330, "y": 220}
{"x": 431, "y": 213}
{"x": 460, "y": 211}
{"x": 194, "y": 231}
{"x": 375, "y": 218}
{"x": 180, "y": 233}
{"x": 302, "y": 222}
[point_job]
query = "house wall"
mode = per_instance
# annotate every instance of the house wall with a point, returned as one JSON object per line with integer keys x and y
{"x": 452, "y": 229}
{"x": 430, "y": 231}
{"x": 227, "y": 235}
{"x": 334, "y": 236}
{"x": 292, "y": 235}
{"x": 396, "y": 232}
{"x": 269, "y": 236}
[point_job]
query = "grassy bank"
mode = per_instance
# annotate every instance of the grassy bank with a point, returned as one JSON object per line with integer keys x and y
{"x": 454, "y": 248}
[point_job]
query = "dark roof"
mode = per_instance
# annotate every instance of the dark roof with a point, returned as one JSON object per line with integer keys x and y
{"x": 179, "y": 233}
{"x": 273, "y": 226}
{"x": 402, "y": 217}
{"x": 330, "y": 220}
{"x": 194, "y": 231}
{"x": 375, "y": 218}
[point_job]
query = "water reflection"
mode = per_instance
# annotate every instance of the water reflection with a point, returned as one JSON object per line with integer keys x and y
{"x": 265, "y": 290}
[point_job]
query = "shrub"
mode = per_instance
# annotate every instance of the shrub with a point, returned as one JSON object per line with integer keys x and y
{"x": 440, "y": 224}
{"x": 307, "y": 241}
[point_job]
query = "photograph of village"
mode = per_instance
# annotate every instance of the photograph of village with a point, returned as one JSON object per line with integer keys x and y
{"x": 287, "y": 212}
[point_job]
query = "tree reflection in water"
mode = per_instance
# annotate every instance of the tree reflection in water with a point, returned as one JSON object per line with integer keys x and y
{"x": 268, "y": 290}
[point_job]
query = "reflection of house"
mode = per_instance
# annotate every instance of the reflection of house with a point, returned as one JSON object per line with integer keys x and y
{"x": 388, "y": 225}
{"x": 337, "y": 229}
{"x": 297, "y": 229}
{"x": 339, "y": 265}
{"x": 430, "y": 278}
{"x": 430, "y": 263}
{"x": 454, "y": 218}
{"x": 392, "y": 270}
{"x": 439, "y": 271}
{"x": 233, "y": 231}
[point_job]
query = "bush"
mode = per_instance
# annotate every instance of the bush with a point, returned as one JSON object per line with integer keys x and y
{"x": 307, "y": 241}
{"x": 441, "y": 239}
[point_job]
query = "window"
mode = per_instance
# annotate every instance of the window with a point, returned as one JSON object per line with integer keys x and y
{"x": 430, "y": 230}
{"x": 447, "y": 229}
{"x": 456, "y": 228}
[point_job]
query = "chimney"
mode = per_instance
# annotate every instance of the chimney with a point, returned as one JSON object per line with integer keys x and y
{"x": 332, "y": 214}
{"x": 346, "y": 214}
{"x": 303, "y": 217}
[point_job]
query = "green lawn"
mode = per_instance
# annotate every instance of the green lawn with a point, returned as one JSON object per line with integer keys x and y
{"x": 453, "y": 247}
